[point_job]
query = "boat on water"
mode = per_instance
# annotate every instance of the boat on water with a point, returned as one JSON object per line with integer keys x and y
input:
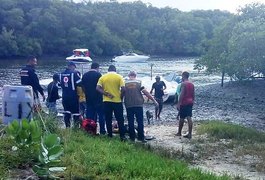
{"x": 130, "y": 58}
{"x": 80, "y": 56}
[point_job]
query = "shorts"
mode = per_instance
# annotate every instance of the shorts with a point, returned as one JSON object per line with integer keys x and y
{"x": 185, "y": 111}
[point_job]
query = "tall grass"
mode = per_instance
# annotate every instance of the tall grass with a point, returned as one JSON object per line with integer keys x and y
{"x": 243, "y": 141}
{"x": 223, "y": 130}
{"x": 90, "y": 157}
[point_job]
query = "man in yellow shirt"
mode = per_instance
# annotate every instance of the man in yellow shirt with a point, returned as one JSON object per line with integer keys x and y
{"x": 111, "y": 85}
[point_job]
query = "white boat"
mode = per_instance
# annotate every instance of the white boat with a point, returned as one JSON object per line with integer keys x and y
{"x": 80, "y": 56}
{"x": 130, "y": 58}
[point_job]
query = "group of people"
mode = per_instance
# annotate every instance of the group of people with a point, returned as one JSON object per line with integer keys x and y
{"x": 103, "y": 96}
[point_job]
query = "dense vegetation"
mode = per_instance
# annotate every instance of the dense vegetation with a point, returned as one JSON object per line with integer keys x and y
{"x": 230, "y": 44}
{"x": 237, "y": 47}
{"x": 106, "y": 28}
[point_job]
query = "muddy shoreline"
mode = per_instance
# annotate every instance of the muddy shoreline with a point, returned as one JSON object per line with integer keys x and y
{"x": 237, "y": 102}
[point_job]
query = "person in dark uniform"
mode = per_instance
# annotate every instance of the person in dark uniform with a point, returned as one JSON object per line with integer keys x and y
{"x": 29, "y": 77}
{"x": 159, "y": 87}
{"x": 69, "y": 80}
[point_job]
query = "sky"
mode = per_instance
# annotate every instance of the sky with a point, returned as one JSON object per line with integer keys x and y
{"x": 187, "y": 5}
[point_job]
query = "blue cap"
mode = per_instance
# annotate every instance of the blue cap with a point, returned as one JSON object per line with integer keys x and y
{"x": 71, "y": 64}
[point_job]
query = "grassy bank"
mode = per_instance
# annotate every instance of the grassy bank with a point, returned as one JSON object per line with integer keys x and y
{"x": 89, "y": 157}
{"x": 99, "y": 157}
{"x": 240, "y": 140}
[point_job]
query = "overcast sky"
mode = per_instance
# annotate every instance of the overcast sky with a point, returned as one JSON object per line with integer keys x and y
{"x": 187, "y": 5}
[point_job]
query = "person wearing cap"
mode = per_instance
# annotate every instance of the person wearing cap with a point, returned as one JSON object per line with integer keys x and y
{"x": 133, "y": 99}
{"x": 53, "y": 95}
{"x": 111, "y": 85}
{"x": 94, "y": 99}
{"x": 159, "y": 87}
{"x": 29, "y": 77}
{"x": 69, "y": 80}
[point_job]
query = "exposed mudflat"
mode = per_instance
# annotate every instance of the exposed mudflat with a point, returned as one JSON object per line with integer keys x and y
{"x": 240, "y": 103}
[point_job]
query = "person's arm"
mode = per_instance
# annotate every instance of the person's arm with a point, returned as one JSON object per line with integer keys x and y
{"x": 151, "y": 92}
{"x": 101, "y": 90}
{"x": 164, "y": 85}
{"x": 181, "y": 95}
{"x": 122, "y": 92}
{"x": 56, "y": 91}
{"x": 122, "y": 85}
{"x": 149, "y": 96}
{"x": 36, "y": 83}
{"x": 193, "y": 94}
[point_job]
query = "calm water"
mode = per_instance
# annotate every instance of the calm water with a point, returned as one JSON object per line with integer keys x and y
{"x": 9, "y": 69}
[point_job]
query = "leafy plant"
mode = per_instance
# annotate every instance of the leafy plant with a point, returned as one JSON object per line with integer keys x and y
{"x": 49, "y": 155}
{"x": 25, "y": 132}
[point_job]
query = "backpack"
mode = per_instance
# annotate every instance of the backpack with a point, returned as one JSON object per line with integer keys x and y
{"x": 89, "y": 126}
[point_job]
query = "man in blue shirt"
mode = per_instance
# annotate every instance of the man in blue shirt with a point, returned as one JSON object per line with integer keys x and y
{"x": 69, "y": 80}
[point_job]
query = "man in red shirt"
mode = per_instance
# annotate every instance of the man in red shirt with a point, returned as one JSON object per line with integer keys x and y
{"x": 185, "y": 103}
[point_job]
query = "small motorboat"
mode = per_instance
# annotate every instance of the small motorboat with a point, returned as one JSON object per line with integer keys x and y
{"x": 130, "y": 58}
{"x": 80, "y": 56}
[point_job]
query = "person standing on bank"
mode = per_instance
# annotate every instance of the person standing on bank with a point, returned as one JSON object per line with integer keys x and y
{"x": 94, "y": 99}
{"x": 134, "y": 101}
{"x": 69, "y": 79}
{"x": 185, "y": 103}
{"x": 53, "y": 95}
{"x": 111, "y": 85}
{"x": 159, "y": 87}
{"x": 29, "y": 77}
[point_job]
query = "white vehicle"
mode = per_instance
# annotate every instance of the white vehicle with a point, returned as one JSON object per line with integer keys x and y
{"x": 169, "y": 92}
{"x": 130, "y": 58}
{"x": 80, "y": 56}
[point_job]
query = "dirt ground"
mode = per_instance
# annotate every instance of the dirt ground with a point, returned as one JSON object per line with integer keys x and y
{"x": 222, "y": 162}
{"x": 239, "y": 103}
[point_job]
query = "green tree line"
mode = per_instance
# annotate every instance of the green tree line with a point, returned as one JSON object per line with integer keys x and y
{"x": 237, "y": 48}
{"x": 56, "y": 27}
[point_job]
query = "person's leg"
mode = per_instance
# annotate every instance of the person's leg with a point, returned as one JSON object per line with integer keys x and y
{"x": 190, "y": 123}
{"x": 181, "y": 123}
{"x": 101, "y": 117}
{"x": 156, "y": 112}
{"x": 67, "y": 114}
{"x": 140, "y": 122}
{"x": 90, "y": 112}
{"x": 75, "y": 113}
{"x": 82, "y": 108}
{"x": 160, "y": 107}
{"x": 182, "y": 115}
{"x": 130, "y": 117}
{"x": 118, "y": 112}
{"x": 108, "y": 115}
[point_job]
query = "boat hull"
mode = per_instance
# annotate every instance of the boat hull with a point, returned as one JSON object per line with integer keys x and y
{"x": 78, "y": 59}
{"x": 131, "y": 59}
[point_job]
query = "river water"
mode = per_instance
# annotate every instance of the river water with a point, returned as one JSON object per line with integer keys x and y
{"x": 9, "y": 69}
